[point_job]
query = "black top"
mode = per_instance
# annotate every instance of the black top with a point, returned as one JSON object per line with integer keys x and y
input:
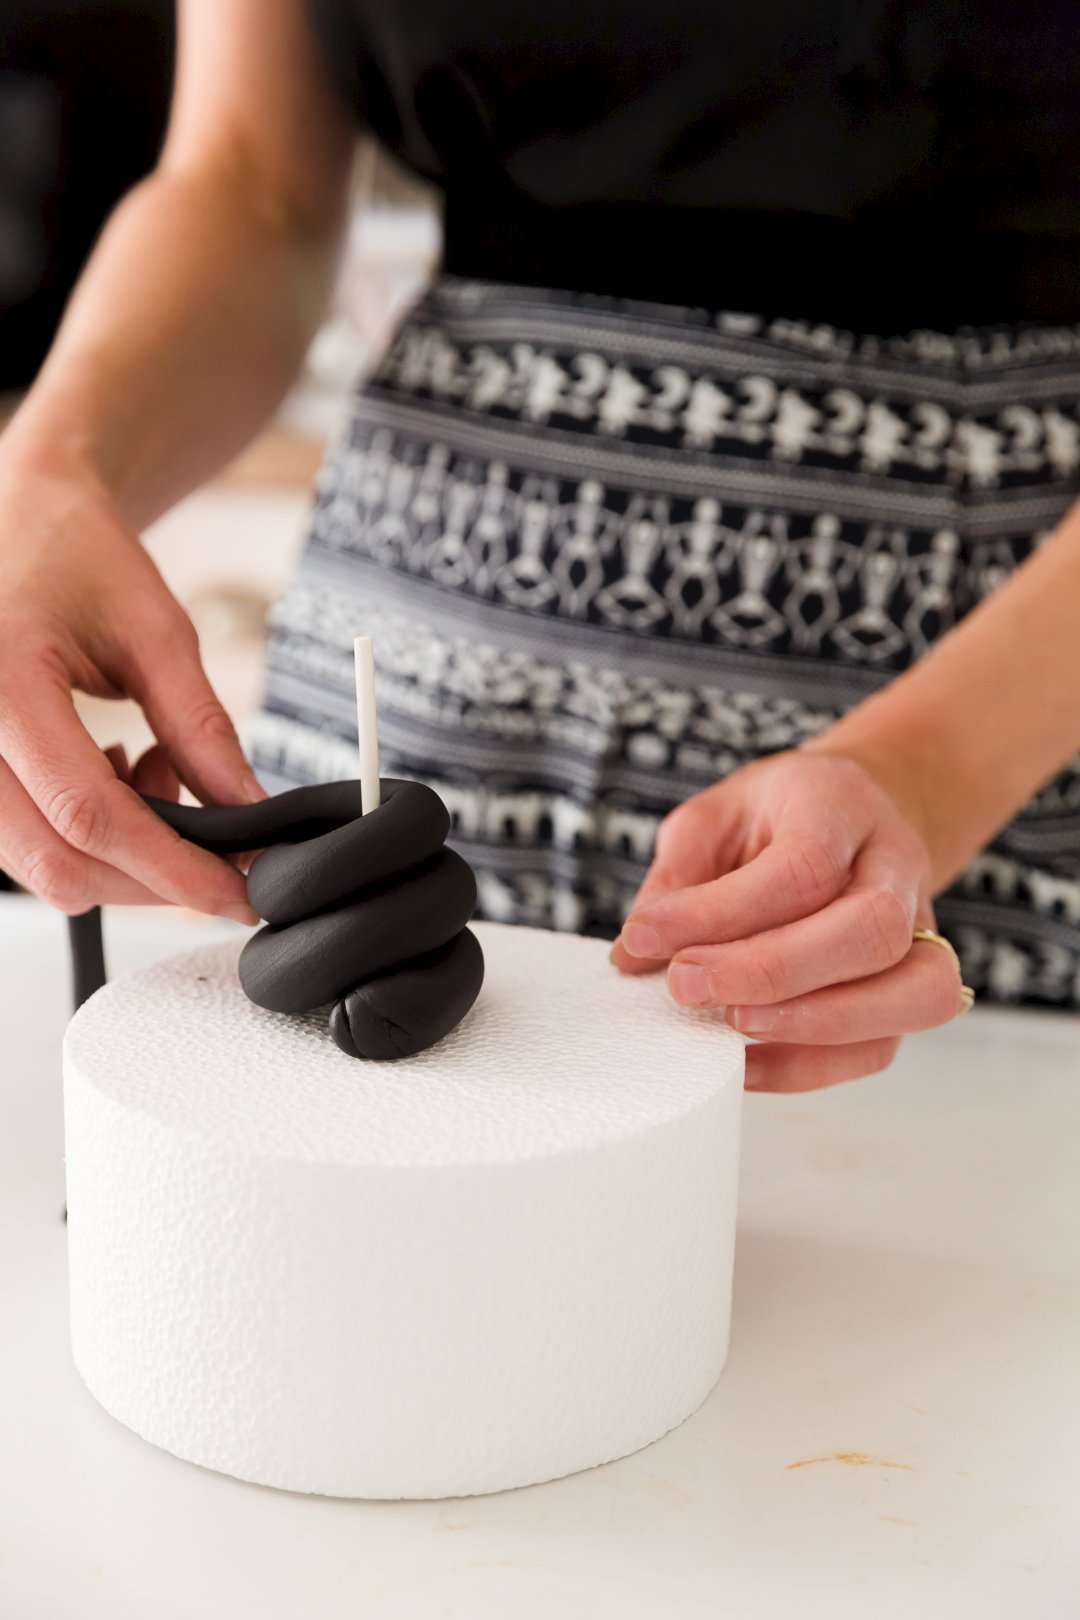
{"x": 875, "y": 163}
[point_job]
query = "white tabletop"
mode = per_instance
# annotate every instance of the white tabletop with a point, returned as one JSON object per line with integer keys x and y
{"x": 897, "y": 1433}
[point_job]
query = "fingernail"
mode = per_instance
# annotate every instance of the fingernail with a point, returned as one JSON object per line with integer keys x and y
{"x": 241, "y": 913}
{"x": 690, "y": 984}
{"x": 641, "y": 940}
{"x": 752, "y": 1020}
{"x": 254, "y": 791}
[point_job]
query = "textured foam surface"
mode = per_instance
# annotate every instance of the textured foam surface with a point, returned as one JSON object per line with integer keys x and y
{"x": 496, "y": 1262}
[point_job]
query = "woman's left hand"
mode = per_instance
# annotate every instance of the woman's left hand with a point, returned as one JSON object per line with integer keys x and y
{"x": 786, "y": 895}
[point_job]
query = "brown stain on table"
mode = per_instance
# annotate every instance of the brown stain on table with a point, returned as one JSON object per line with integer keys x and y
{"x": 854, "y": 1459}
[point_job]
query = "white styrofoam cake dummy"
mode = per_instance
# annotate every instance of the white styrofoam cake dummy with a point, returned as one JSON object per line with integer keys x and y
{"x": 492, "y": 1264}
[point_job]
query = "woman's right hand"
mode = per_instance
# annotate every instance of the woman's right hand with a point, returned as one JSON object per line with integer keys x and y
{"x": 83, "y": 608}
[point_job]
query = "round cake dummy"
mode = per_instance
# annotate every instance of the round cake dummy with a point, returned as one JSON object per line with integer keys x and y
{"x": 493, "y": 1262}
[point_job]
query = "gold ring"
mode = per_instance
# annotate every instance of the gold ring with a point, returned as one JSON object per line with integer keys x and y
{"x": 929, "y": 937}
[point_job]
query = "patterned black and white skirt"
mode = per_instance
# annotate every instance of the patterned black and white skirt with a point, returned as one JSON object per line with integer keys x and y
{"x": 610, "y": 552}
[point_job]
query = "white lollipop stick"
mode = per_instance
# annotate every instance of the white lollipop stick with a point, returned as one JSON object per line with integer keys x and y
{"x": 366, "y": 729}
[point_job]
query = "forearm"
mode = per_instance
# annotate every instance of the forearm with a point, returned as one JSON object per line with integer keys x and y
{"x": 188, "y": 325}
{"x": 965, "y": 737}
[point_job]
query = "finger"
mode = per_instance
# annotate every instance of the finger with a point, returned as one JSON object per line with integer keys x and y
{"x": 921, "y": 992}
{"x": 658, "y": 880}
{"x": 633, "y": 965}
{"x": 154, "y": 776}
{"x": 811, "y": 1068}
{"x": 697, "y": 839}
{"x": 95, "y": 814}
{"x": 681, "y": 861}
{"x": 792, "y": 878}
{"x": 117, "y": 757}
{"x": 693, "y": 843}
{"x": 39, "y": 860}
{"x": 167, "y": 678}
{"x": 865, "y": 931}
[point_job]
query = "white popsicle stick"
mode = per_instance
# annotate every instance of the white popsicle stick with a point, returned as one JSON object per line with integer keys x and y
{"x": 366, "y": 729}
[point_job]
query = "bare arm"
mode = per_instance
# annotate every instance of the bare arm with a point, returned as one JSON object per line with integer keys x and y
{"x": 195, "y": 311}
{"x": 187, "y": 326}
{"x": 965, "y": 737}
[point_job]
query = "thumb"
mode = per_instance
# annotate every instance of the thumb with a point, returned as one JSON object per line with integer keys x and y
{"x": 695, "y": 842}
{"x": 656, "y": 883}
{"x": 663, "y": 877}
{"x": 686, "y": 854}
{"x": 184, "y": 713}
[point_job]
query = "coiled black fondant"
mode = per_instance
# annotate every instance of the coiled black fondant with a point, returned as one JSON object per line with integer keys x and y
{"x": 366, "y": 914}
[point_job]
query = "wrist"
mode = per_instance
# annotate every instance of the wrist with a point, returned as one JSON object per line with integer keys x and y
{"x": 910, "y": 768}
{"x": 53, "y": 446}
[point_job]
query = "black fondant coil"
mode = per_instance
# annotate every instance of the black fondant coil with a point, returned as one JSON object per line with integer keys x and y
{"x": 365, "y": 915}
